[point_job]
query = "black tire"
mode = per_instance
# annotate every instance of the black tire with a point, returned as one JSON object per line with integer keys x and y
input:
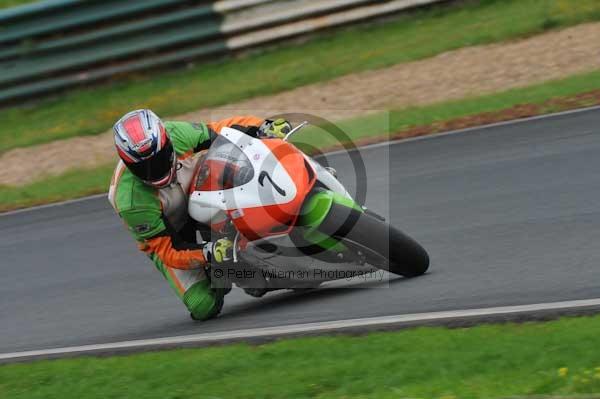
{"x": 402, "y": 255}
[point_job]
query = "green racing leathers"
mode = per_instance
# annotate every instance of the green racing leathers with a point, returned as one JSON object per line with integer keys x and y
{"x": 159, "y": 221}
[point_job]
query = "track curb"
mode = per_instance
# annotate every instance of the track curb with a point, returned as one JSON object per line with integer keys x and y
{"x": 452, "y": 318}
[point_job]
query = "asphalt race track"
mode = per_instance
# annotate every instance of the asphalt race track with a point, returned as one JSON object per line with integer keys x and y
{"x": 509, "y": 214}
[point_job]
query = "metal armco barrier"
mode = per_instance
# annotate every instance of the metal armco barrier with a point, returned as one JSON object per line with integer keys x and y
{"x": 54, "y": 44}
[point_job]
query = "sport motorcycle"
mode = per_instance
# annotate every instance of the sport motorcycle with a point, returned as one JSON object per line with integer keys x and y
{"x": 293, "y": 223}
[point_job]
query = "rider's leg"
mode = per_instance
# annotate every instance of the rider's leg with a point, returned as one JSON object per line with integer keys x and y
{"x": 194, "y": 289}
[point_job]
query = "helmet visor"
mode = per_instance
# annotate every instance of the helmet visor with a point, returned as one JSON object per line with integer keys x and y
{"x": 156, "y": 167}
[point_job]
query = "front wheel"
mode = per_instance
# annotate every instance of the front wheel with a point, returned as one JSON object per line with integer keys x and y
{"x": 383, "y": 245}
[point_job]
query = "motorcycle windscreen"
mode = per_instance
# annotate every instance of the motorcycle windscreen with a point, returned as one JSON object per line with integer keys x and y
{"x": 224, "y": 167}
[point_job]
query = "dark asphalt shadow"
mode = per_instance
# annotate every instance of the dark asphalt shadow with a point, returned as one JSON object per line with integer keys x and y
{"x": 283, "y": 299}
{"x": 257, "y": 306}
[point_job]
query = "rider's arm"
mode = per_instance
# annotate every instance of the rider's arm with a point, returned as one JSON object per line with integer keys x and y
{"x": 247, "y": 124}
{"x": 140, "y": 208}
{"x": 162, "y": 246}
{"x": 157, "y": 240}
{"x": 188, "y": 137}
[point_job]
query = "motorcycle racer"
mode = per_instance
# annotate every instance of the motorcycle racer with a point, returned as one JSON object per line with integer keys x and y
{"x": 149, "y": 191}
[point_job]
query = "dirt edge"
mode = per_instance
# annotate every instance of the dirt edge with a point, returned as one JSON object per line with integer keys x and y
{"x": 516, "y": 112}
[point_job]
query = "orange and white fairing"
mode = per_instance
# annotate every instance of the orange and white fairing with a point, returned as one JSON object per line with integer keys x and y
{"x": 258, "y": 184}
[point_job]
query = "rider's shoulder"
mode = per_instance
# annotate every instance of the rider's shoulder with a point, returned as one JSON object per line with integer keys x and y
{"x": 132, "y": 195}
{"x": 186, "y": 135}
{"x": 178, "y": 128}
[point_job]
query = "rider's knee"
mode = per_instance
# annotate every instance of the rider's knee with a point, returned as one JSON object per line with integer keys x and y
{"x": 202, "y": 302}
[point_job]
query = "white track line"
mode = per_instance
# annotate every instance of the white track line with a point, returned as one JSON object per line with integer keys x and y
{"x": 366, "y": 147}
{"x": 295, "y": 329}
{"x": 67, "y": 202}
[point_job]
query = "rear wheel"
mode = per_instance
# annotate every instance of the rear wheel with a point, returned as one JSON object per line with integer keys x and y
{"x": 381, "y": 244}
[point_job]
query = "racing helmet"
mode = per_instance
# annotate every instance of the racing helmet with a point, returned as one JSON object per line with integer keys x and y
{"x": 144, "y": 146}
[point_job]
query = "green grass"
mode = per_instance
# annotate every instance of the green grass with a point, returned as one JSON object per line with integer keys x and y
{"x": 417, "y": 35}
{"x": 400, "y": 120}
{"x": 74, "y": 184}
{"x": 80, "y": 183}
{"x": 490, "y": 361}
{"x": 13, "y": 3}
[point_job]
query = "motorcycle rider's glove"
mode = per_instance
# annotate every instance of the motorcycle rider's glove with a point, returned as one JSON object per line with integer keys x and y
{"x": 219, "y": 252}
{"x": 274, "y": 129}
